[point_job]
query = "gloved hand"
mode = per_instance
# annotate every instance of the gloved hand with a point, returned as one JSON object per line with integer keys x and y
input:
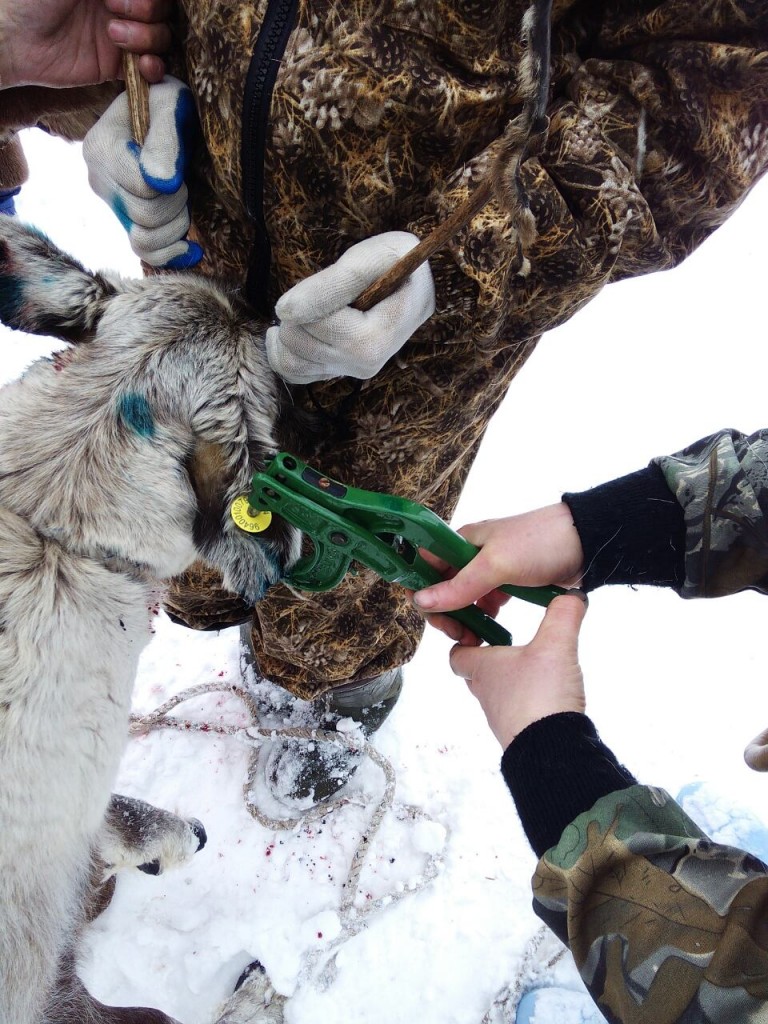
{"x": 7, "y": 196}
{"x": 321, "y": 336}
{"x": 144, "y": 185}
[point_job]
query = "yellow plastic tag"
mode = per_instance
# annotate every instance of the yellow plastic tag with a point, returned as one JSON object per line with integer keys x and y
{"x": 249, "y": 519}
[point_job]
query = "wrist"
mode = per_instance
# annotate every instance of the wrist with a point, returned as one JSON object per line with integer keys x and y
{"x": 507, "y": 729}
{"x": 556, "y": 770}
{"x": 632, "y": 530}
{"x": 566, "y": 540}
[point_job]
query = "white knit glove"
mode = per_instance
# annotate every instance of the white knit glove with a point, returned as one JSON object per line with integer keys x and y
{"x": 144, "y": 185}
{"x": 321, "y": 336}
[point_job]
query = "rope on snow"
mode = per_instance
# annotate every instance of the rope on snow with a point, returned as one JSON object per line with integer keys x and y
{"x": 319, "y": 964}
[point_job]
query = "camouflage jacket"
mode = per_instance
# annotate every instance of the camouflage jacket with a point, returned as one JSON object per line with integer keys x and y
{"x": 383, "y": 114}
{"x": 386, "y": 114}
{"x": 696, "y": 521}
{"x": 665, "y": 926}
{"x": 325, "y": 122}
{"x": 721, "y": 483}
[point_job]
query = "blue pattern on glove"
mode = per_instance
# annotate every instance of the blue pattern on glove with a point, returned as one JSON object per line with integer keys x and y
{"x": 185, "y": 117}
{"x": 187, "y": 259}
{"x": 119, "y": 210}
{"x": 144, "y": 184}
{"x": 7, "y": 205}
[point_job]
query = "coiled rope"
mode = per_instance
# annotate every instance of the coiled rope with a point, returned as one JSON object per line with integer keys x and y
{"x": 319, "y": 964}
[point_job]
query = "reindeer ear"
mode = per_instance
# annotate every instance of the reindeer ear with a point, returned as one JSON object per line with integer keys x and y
{"x": 210, "y": 475}
{"x": 44, "y": 291}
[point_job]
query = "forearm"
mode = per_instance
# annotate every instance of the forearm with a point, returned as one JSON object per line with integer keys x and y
{"x": 67, "y": 113}
{"x": 555, "y": 769}
{"x": 696, "y": 521}
{"x": 721, "y": 485}
{"x": 660, "y": 921}
{"x": 632, "y": 530}
{"x": 663, "y": 924}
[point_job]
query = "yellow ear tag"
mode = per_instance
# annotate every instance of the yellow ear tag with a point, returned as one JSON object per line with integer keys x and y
{"x": 249, "y": 519}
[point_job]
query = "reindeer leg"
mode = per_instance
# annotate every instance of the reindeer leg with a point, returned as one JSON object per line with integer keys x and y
{"x": 71, "y": 1003}
{"x": 136, "y": 834}
{"x": 254, "y": 1001}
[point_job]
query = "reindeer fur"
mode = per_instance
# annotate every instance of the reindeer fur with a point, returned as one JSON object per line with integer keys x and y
{"x": 68, "y": 113}
{"x": 118, "y": 461}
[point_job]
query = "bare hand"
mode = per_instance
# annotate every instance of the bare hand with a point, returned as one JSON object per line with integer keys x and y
{"x": 62, "y": 43}
{"x": 530, "y": 550}
{"x": 519, "y": 685}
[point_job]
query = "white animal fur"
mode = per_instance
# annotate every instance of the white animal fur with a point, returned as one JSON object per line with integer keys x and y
{"x": 117, "y": 466}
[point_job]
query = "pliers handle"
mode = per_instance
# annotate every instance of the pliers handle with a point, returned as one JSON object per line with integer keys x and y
{"x": 380, "y": 531}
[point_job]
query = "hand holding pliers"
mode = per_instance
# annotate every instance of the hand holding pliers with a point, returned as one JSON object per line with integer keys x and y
{"x": 380, "y": 531}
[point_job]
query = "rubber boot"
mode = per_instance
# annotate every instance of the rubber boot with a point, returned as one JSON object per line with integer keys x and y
{"x": 306, "y": 773}
{"x": 301, "y": 773}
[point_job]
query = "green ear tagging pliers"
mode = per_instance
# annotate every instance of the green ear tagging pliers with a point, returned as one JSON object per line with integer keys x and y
{"x": 379, "y": 531}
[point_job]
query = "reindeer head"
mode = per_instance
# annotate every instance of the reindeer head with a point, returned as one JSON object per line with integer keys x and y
{"x": 135, "y": 440}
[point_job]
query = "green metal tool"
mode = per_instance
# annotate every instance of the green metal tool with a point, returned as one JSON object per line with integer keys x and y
{"x": 380, "y": 531}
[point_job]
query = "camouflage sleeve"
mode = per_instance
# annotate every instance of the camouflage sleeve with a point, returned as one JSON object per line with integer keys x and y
{"x": 663, "y": 924}
{"x": 657, "y": 132}
{"x": 721, "y": 483}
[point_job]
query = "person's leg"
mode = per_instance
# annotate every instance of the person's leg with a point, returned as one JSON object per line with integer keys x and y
{"x": 410, "y": 433}
{"x": 302, "y": 772}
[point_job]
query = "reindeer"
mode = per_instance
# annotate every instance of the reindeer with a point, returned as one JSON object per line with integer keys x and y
{"x": 119, "y": 458}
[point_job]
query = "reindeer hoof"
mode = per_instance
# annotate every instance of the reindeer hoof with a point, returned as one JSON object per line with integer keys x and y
{"x": 152, "y": 867}
{"x": 199, "y": 830}
{"x": 257, "y": 965}
{"x": 254, "y": 1000}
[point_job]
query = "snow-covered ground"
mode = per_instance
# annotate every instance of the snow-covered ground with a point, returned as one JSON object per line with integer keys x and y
{"x": 677, "y": 688}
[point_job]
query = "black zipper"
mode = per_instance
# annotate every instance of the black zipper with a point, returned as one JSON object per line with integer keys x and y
{"x": 259, "y": 83}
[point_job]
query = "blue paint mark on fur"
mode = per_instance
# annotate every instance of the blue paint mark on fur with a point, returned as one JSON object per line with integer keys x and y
{"x": 135, "y": 412}
{"x": 11, "y": 299}
{"x": 265, "y": 582}
{"x": 35, "y": 230}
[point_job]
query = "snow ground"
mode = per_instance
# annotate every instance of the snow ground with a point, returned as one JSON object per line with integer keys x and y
{"x": 677, "y": 688}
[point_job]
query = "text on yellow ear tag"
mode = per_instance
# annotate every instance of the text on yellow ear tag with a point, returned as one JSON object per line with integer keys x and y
{"x": 249, "y": 519}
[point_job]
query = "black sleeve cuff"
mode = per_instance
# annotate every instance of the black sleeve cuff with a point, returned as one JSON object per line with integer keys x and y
{"x": 555, "y": 769}
{"x": 632, "y": 530}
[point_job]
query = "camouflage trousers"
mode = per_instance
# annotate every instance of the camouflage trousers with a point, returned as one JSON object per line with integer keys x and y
{"x": 414, "y": 431}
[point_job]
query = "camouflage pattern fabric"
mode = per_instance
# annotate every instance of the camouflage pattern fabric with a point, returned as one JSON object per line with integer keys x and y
{"x": 721, "y": 482}
{"x": 665, "y": 926}
{"x": 386, "y": 114}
